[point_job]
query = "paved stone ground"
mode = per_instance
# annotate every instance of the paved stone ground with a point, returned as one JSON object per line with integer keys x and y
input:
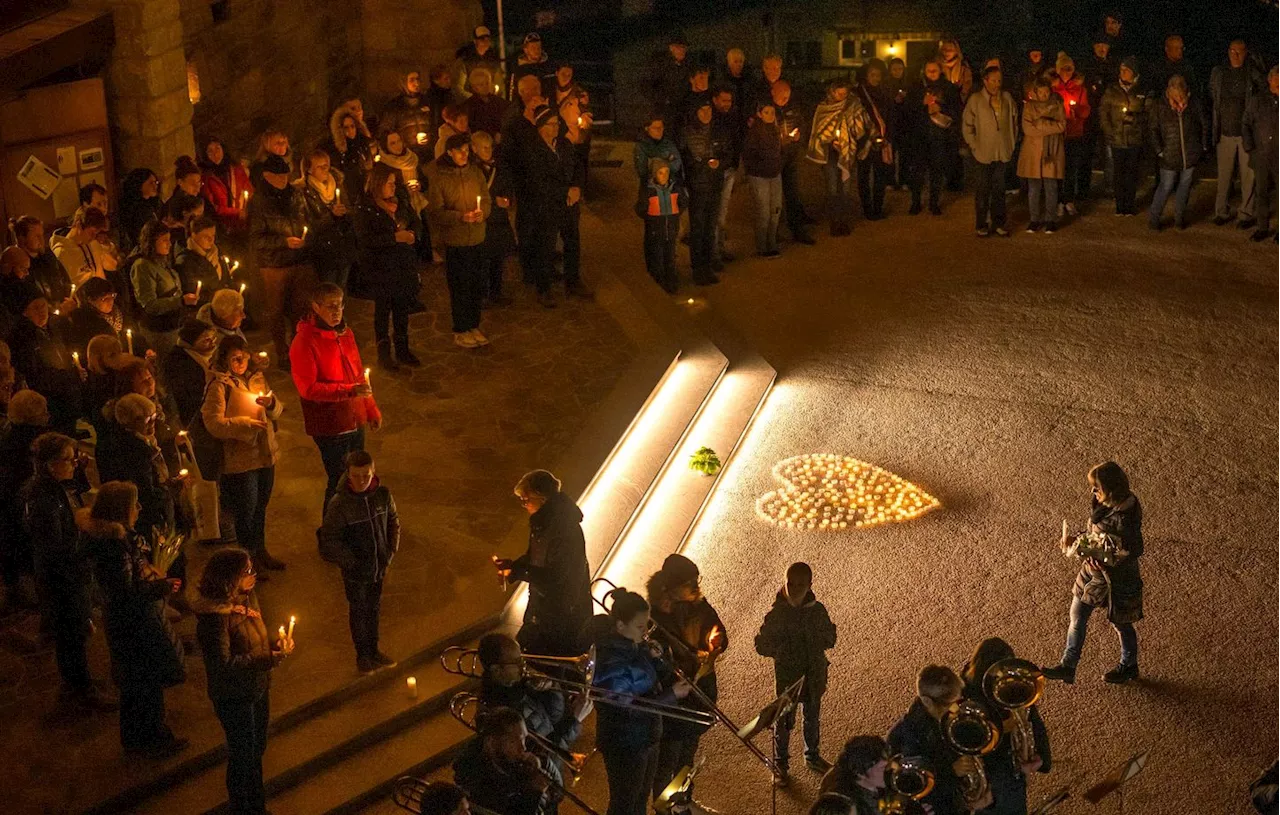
{"x": 459, "y": 433}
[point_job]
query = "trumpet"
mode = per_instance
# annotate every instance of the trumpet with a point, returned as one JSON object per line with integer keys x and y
{"x": 458, "y": 707}
{"x": 466, "y": 662}
{"x": 1015, "y": 685}
{"x": 409, "y": 791}
{"x": 906, "y": 780}
{"x": 706, "y": 701}
{"x": 575, "y": 763}
{"x": 970, "y": 732}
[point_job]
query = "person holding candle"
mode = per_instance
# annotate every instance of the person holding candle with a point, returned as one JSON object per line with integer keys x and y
{"x": 201, "y": 266}
{"x": 100, "y": 313}
{"x": 130, "y": 452}
{"x": 839, "y": 123}
{"x": 81, "y": 255}
{"x": 186, "y": 370}
{"x": 224, "y": 182}
{"x": 332, "y": 237}
{"x": 459, "y": 204}
{"x": 158, "y": 288}
{"x": 1079, "y": 159}
{"x": 484, "y": 109}
{"x": 146, "y": 654}
{"x": 44, "y": 361}
{"x": 240, "y": 411}
{"x": 277, "y": 215}
{"x": 361, "y": 534}
{"x": 1125, "y": 108}
{"x": 762, "y": 161}
{"x": 239, "y": 656}
{"x": 337, "y": 402}
{"x": 499, "y": 239}
{"x": 409, "y": 115}
{"x": 386, "y": 227}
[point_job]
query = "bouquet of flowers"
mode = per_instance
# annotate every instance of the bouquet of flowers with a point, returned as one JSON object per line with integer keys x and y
{"x": 165, "y": 550}
{"x": 1097, "y": 545}
{"x": 705, "y": 461}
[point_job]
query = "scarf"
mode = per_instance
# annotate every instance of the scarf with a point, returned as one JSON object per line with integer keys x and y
{"x": 850, "y": 118}
{"x": 326, "y": 189}
{"x": 211, "y": 255}
{"x": 869, "y": 94}
{"x": 407, "y": 164}
{"x": 114, "y": 318}
{"x": 203, "y": 359}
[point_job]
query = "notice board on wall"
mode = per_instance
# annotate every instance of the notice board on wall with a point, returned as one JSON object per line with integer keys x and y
{"x": 53, "y": 140}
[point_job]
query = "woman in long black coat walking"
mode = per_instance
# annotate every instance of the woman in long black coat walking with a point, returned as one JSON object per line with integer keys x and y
{"x": 146, "y": 654}
{"x": 238, "y": 658}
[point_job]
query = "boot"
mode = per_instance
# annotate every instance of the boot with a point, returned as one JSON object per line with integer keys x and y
{"x": 1121, "y": 674}
{"x": 1061, "y": 672}
{"x": 385, "y": 360}
{"x": 403, "y": 355}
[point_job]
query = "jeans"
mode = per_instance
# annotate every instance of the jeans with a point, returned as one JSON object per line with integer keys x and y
{"x": 812, "y": 732}
{"x": 286, "y": 298}
{"x": 768, "y": 195}
{"x": 364, "y": 602}
{"x": 988, "y": 195}
{"x": 245, "y": 496}
{"x": 1079, "y": 170}
{"x": 1126, "y": 161}
{"x": 1168, "y": 180}
{"x": 630, "y": 779}
{"x": 464, "y": 272}
{"x": 660, "y": 236}
{"x": 1080, "y": 612}
{"x": 1230, "y": 151}
{"x": 333, "y": 453}
{"x": 1049, "y": 213}
{"x": 797, "y": 220}
{"x": 873, "y": 175}
{"x": 244, "y": 721}
{"x": 722, "y": 219}
{"x": 142, "y": 716}
{"x": 704, "y": 207}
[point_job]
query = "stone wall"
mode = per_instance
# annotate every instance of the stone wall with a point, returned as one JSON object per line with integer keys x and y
{"x": 402, "y": 35}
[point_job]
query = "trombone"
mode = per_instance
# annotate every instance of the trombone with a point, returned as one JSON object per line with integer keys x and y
{"x": 715, "y": 711}
{"x": 458, "y": 707}
{"x": 409, "y": 791}
{"x": 574, "y": 762}
{"x": 466, "y": 662}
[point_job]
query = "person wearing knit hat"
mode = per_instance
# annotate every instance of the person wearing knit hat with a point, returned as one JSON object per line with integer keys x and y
{"x": 186, "y": 367}
{"x": 660, "y": 203}
{"x": 1075, "y": 101}
{"x": 277, "y": 227}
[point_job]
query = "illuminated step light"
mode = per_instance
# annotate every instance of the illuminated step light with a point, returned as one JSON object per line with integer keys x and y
{"x": 826, "y": 491}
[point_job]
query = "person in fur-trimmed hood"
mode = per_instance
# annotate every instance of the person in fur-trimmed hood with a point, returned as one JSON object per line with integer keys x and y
{"x": 351, "y": 147}
{"x": 796, "y": 634}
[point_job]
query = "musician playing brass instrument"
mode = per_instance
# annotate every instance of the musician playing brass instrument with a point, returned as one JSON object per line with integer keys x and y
{"x": 860, "y": 774}
{"x": 919, "y": 736}
{"x": 694, "y": 637}
{"x": 499, "y": 773}
{"x": 1023, "y": 729}
{"x": 546, "y": 711}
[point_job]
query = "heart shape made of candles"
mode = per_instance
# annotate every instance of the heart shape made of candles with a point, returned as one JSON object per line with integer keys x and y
{"x": 826, "y": 491}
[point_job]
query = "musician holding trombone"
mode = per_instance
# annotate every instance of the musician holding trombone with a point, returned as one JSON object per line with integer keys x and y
{"x": 546, "y": 711}
{"x": 500, "y": 774}
{"x": 627, "y": 735}
{"x": 996, "y": 680}
{"x": 695, "y": 637}
{"x": 859, "y": 774}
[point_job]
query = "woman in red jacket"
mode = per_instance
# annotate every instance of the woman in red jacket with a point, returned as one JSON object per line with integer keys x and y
{"x": 337, "y": 402}
{"x": 226, "y": 190}
{"x": 1075, "y": 101}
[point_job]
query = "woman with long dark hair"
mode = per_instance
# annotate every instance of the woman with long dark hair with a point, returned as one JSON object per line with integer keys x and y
{"x": 139, "y": 204}
{"x": 146, "y": 654}
{"x": 227, "y": 189}
{"x": 157, "y": 287}
{"x": 238, "y": 658}
{"x": 240, "y": 411}
{"x": 1109, "y": 576}
{"x": 386, "y": 227}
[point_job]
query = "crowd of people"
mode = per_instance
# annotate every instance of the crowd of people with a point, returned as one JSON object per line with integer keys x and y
{"x": 138, "y": 415}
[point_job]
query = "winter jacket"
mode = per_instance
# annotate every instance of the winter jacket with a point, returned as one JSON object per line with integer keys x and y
{"x": 230, "y": 404}
{"x": 498, "y": 235}
{"x": 453, "y": 191}
{"x": 79, "y": 261}
{"x": 84, "y": 323}
{"x": 237, "y": 649}
{"x": 196, "y": 272}
{"x": 185, "y": 377}
{"x": 499, "y": 788}
{"x": 361, "y": 532}
{"x": 623, "y": 666}
{"x": 1118, "y": 586}
{"x": 793, "y": 125}
{"x": 990, "y": 138}
{"x": 797, "y": 639}
{"x": 548, "y": 173}
{"x": 685, "y": 630}
{"x": 1043, "y": 154}
{"x": 1075, "y": 102}
{"x": 1180, "y": 139}
{"x": 226, "y": 202}
{"x": 1259, "y": 130}
{"x": 664, "y": 148}
{"x": 559, "y": 577}
{"x": 274, "y": 217}
{"x": 408, "y": 116}
{"x": 353, "y": 159}
{"x": 125, "y": 456}
{"x": 925, "y": 129}
{"x": 158, "y": 290}
{"x": 1124, "y": 115}
{"x": 1098, "y": 75}
{"x": 62, "y": 572}
{"x": 389, "y": 265}
{"x": 468, "y": 60}
{"x": 46, "y": 364}
{"x": 666, "y": 201}
{"x": 1254, "y": 85}
{"x": 699, "y": 144}
{"x": 544, "y": 711}
{"x": 670, "y": 85}
{"x": 918, "y": 735}
{"x": 145, "y": 651}
{"x": 485, "y": 113}
{"x": 1004, "y": 775}
{"x": 326, "y": 368}
{"x": 762, "y": 150}
{"x": 332, "y": 238}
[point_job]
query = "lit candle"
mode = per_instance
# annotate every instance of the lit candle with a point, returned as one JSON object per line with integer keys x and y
{"x": 183, "y": 472}
{"x": 497, "y": 89}
{"x": 262, "y": 356}
{"x": 422, "y": 138}
{"x": 337, "y": 195}
{"x": 412, "y": 683}
{"x": 235, "y": 266}
{"x": 199, "y": 285}
{"x": 57, "y": 311}
{"x": 243, "y": 286}
{"x": 292, "y": 620}
{"x": 282, "y": 633}
{"x": 226, "y": 261}
{"x": 367, "y": 371}
{"x": 128, "y": 336}
{"x": 837, "y": 132}
{"x": 477, "y": 203}
{"x": 246, "y": 197}
{"x": 73, "y": 289}
{"x": 304, "y": 232}
{"x": 75, "y": 357}
{"x": 690, "y": 301}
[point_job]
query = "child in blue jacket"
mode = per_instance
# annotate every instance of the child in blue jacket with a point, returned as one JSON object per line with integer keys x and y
{"x": 661, "y": 201}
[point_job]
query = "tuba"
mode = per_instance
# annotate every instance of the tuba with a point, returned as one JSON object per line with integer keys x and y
{"x": 1016, "y": 685}
{"x": 970, "y": 732}
{"x": 906, "y": 779}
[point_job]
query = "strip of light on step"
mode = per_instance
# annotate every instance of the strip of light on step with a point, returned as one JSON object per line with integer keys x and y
{"x": 614, "y": 478}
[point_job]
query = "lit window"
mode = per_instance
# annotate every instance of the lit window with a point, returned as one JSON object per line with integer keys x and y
{"x": 193, "y": 82}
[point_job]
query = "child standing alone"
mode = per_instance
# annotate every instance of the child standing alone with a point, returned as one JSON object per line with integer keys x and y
{"x": 796, "y": 634}
{"x": 660, "y": 204}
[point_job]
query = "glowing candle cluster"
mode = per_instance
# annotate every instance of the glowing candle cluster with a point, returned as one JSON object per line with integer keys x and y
{"x": 826, "y": 491}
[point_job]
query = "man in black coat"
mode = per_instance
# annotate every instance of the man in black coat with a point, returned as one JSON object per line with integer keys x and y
{"x": 704, "y": 147}
{"x": 361, "y": 534}
{"x": 670, "y": 86}
{"x": 1259, "y": 133}
{"x": 548, "y": 188}
{"x": 555, "y": 567}
{"x": 930, "y": 134}
{"x": 498, "y": 771}
{"x": 794, "y": 121}
{"x": 186, "y": 368}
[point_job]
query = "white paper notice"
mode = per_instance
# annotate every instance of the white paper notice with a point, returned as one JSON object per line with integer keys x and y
{"x": 66, "y": 161}
{"x": 39, "y": 177}
{"x": 66, "y": 198}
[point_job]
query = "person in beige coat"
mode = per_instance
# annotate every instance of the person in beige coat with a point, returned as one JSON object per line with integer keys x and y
{"x": 1043, "y": 157}
{"x": 989, "y": 128}
{"x": 240, "y": 411}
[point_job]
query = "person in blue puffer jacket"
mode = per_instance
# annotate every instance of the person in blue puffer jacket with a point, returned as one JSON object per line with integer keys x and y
{"x": 627, "y": 738}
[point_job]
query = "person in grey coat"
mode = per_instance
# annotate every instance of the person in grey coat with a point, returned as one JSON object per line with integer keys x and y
{"x": 361, "y": 534}
{"x": 1259, "y": 129}
{"x": 1231, "y": 89}
{"x": 990, "y": 128}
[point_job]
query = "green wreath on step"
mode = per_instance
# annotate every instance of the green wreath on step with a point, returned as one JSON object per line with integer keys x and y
{"x": 705, "y": 461}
